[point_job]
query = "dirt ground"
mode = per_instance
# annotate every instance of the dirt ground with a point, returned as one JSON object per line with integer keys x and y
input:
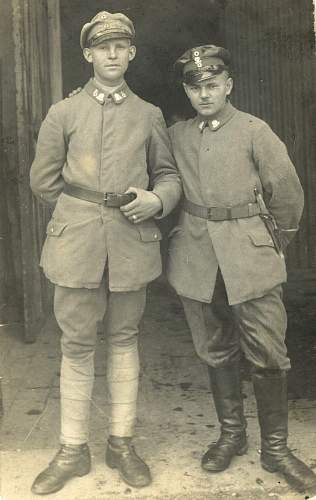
{"x": 176, "y": 420}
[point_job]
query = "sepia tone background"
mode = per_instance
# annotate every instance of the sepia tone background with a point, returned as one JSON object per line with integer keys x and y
{"x": 272, "y": 44}
{"x": 273, "y": 48}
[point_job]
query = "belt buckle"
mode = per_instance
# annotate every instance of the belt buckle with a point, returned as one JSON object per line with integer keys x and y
{"x": 219, "y": 213}
{"x": 229, "y": 213}
{"x": 214, "y": 213}
{"x": 109, "y": 197}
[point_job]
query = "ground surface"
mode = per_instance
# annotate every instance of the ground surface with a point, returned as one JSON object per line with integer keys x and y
{"x": 176, "y": 418}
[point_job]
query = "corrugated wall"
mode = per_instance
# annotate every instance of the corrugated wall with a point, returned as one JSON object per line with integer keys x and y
{"x": 272, "y": 44}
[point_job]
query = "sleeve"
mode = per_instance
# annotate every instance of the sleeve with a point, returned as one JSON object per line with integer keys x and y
{"x": 164, "y": 177}
{"x": 281, "y": 185}
{"x": 46, "y": 170}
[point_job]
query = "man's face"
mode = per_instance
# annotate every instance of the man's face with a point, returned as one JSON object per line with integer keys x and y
{"x": 110, "y": 60}
{"x": 208, "y": 98}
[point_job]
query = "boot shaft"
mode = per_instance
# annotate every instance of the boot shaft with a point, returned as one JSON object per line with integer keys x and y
{"x": 228, "y": 400}
{"x": 270, "y": 388}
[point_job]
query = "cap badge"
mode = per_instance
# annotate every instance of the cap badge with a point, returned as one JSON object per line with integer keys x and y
{"x": 215, "y": 124}
{"x": 197, "y": 58}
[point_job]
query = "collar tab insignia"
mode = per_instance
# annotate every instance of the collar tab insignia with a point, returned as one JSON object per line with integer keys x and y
{"x": 119, "y": 97}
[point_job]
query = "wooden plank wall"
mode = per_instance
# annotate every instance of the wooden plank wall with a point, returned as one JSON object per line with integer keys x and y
{"x": 9, "y": 173}
{"x": 273, "y": 48}
{"x": 33, "y": 98}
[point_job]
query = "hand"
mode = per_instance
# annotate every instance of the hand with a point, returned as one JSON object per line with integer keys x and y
{"x": 146, "y": 205}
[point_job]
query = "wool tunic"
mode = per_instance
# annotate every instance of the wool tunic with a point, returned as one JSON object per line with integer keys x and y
{"x": 221, "y": 165}
{"x": 107, "y": 144}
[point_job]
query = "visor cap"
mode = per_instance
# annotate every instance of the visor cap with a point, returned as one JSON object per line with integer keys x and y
{"x": 203, "y": 62}
{"x": 105, "y": 26}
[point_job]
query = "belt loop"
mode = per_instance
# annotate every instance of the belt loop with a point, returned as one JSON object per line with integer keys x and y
{"x": 229, "y": 213}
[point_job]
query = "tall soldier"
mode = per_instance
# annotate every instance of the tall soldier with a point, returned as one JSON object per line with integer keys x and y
{"x": 104, "y": 158}
{"x": 243, "y": 202}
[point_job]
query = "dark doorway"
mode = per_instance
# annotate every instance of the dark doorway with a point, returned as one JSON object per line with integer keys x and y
{"x": 163, "y": 31}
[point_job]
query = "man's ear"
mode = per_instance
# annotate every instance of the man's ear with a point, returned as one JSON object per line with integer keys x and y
{"x": 185, "y": 89}
{"x": 229, "y": 86}
{"x": 87, "y": 54}
{"x": 132, "y": 53}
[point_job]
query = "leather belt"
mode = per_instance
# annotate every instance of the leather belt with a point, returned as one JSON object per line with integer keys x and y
{"x": 115, "y": 200}
{"x": 221, "y": 213}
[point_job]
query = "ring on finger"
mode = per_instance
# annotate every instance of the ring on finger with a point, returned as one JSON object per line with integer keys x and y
{"x": 134, "y": 217}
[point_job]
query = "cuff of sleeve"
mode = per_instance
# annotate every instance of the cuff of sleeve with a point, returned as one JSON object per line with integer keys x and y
{"x": 286, "y": 235}
{"x": 163, "y": 192}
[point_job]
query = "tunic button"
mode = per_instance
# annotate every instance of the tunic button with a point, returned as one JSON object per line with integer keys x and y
{"x": 52, "y": 230}
{"x": 155, "y": 236}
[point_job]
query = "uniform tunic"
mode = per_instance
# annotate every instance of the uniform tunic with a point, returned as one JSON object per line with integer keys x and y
{"x": 104, "y": 144}
{"x": 220, "y": 166}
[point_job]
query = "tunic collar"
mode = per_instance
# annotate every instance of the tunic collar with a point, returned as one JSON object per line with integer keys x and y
{"x": 118, "y": 95}
{"x": 217, "y": 122}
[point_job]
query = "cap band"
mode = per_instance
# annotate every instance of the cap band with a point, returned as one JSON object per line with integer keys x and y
{"x": 106, "y": 30}
{"x": 205, "y": 73}
{"x": 200, "y": 63}
{"x": 106, "y": 35}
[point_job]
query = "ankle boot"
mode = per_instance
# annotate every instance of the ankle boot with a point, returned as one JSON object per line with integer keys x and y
{"x": 226, "y": 389}
{"x": 121, "y": 455}
{"x": 70, "y": 461}
{"x": 270, "y": 387}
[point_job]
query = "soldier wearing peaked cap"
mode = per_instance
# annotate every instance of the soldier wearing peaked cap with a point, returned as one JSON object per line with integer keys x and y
{"x": 104, "y": 160}
{"x": 243, "y": 203}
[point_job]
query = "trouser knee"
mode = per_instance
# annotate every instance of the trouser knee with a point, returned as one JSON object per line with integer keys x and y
{"x": 77, "y": 311}
{"x": 125, "y": 311}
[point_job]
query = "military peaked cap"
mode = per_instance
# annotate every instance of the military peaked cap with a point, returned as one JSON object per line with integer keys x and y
{"x": 104, "y": 26}
{"x": 201, "y": 63}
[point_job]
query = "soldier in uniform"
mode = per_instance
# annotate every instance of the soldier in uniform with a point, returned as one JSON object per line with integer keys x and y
{"x": 104, "y": 160}
{"x": 242, "y": 204}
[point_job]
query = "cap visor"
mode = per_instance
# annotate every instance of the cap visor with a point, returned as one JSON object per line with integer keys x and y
{"x": 107, "y": 36}
{"x": 198, "y": 78}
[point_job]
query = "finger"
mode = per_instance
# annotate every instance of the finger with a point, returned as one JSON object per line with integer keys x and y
{"x": 136, "y": 218}
{"x": 133, "y": 219}
{"x": 132, "y": 189}
{"x": 130, "y": 206}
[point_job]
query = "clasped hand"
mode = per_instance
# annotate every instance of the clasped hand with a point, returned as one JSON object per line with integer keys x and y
{"x": 146, "y": 205}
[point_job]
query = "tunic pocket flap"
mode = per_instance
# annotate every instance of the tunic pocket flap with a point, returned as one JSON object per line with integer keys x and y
{"x": 55, "y": 228}
{"x": 261, "y": 239}
{"x": 149, "y": 233}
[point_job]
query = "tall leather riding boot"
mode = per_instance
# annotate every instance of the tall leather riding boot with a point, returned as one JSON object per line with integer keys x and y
{"x": 70, "y": 461}
{"x": 270, "y": 388}
{"x": 226, "y": 388}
